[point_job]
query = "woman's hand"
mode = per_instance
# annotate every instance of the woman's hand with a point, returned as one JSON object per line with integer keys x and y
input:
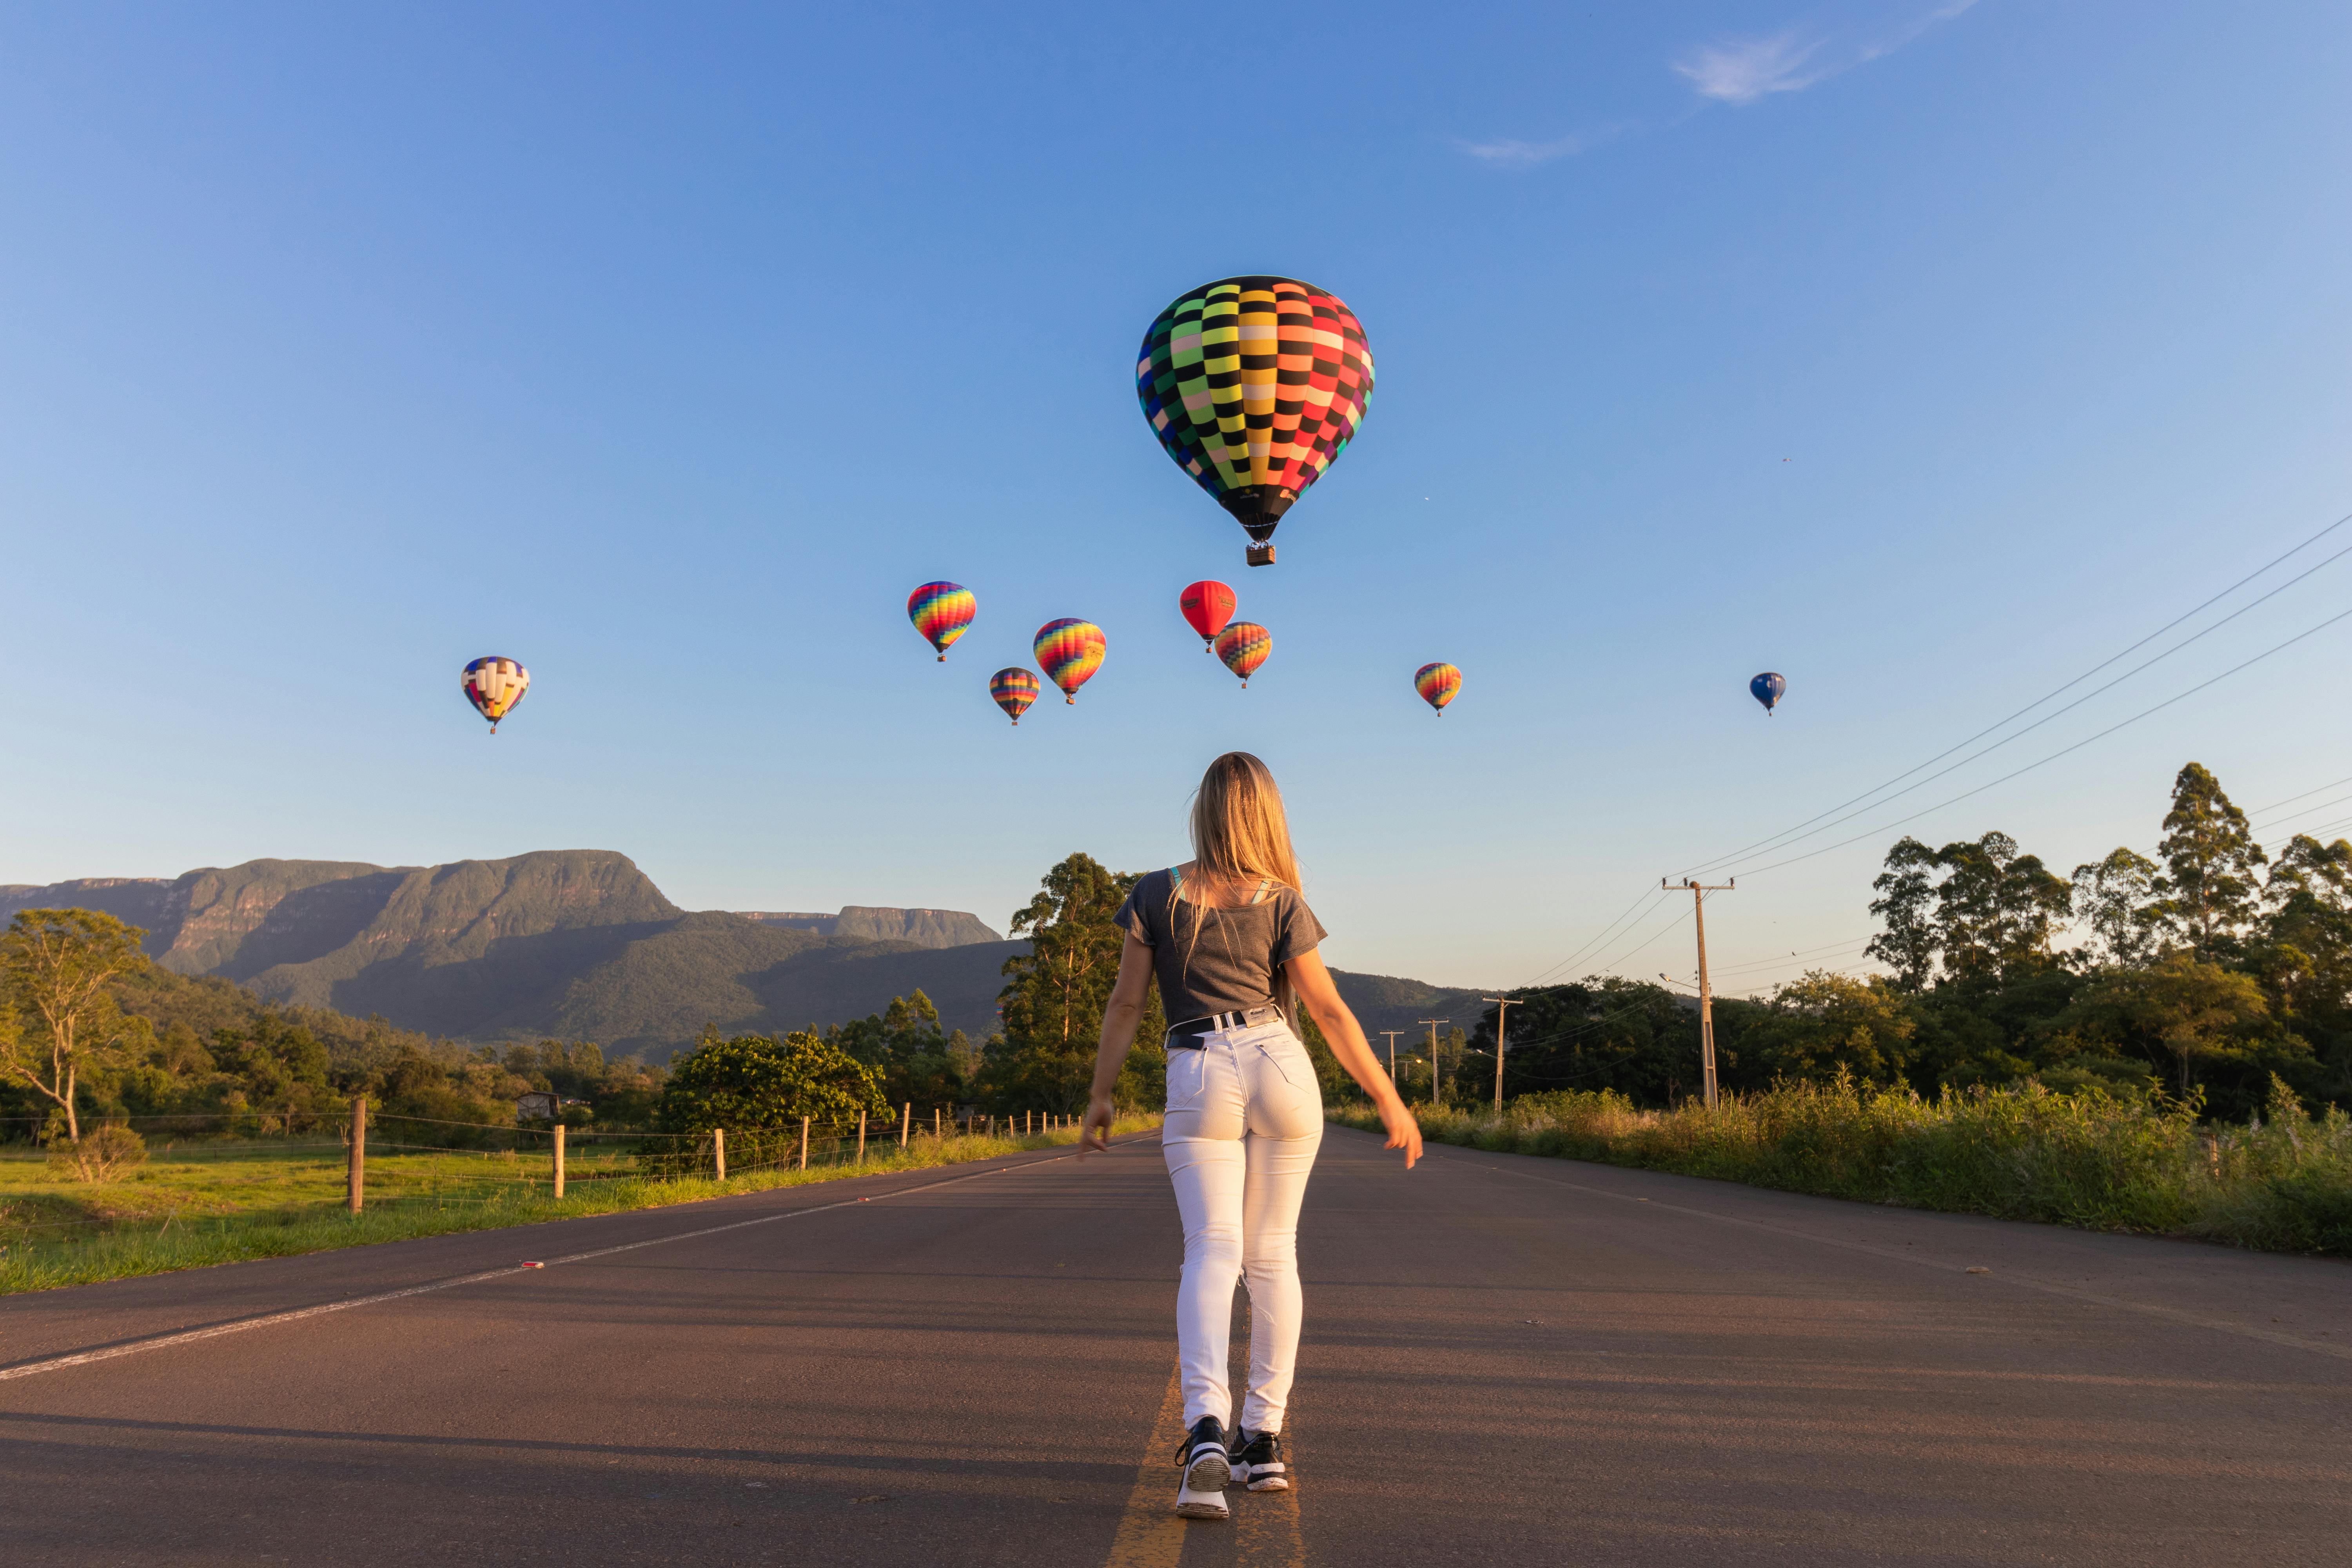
{"x": 1404, "y": 1132}
{"x": 1094, "y": 1133}
{"x": 1321, "y": 997}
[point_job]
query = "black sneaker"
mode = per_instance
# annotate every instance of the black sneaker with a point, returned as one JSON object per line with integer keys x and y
{"x": 1206, "y": 1468}
{"x": 1256, "y": 1461}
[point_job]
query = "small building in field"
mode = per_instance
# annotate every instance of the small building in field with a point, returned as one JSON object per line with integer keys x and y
{"x": 542, "y": 1105}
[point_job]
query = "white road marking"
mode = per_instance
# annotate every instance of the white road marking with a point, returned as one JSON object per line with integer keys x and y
{"x": 84, "y": 1358}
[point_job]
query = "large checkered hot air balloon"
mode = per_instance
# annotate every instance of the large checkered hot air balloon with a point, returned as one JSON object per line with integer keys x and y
{"x": 1253, "y": 386}
{"x": 494, "y": 686}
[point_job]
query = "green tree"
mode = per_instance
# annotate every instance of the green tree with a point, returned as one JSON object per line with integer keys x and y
{"x": 2304, "y": 952}
{"x": 1995, "y": 909}
{"x": 1905, "y": 904}
{"x": 761, "y": 1083}
{"x": 2212, "y": 856}
{"x": 57, "y": 966}
{"x": 917, "y": 1060}
{"x": 1053, "y": 1006}
{"x": 2121, "y": 900}
{"x": 1816, "y": 1027}
{"x": 1603, "y": 1032}
{"x": 2195, "y": 1018}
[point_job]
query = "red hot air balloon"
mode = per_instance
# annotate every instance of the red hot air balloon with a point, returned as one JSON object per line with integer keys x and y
{"x": 1071, "y": 650}
{"x": 1014, "y": 690}
{"x": 1243, "y": 647}
{"x": 1207, "y": 607}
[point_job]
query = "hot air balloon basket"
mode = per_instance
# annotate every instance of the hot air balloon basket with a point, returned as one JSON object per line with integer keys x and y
{"x": 1260, "y": 555}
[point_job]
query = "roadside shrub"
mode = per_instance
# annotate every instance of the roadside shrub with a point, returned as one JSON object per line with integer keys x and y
{"x": 2281, "y": 1182}
{"x": 102, "y": 1154}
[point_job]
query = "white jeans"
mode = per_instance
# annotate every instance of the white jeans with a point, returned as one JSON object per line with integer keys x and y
{"x": 1244, "y": 1120}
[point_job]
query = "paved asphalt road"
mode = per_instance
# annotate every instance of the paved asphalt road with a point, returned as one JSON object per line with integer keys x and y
{"x": 1508, "y": 1360}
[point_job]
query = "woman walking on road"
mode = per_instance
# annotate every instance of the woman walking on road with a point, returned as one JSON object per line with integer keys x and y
{"x": 1232, "y": 943}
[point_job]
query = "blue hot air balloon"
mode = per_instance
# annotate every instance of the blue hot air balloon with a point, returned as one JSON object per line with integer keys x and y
{"x": 1767, "y": 689}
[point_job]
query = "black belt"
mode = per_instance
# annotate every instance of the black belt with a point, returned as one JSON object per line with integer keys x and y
{"x": 1187, "y": 1035}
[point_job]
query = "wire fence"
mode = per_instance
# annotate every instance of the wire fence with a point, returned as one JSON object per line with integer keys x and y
{"x": 223, "y": 1173}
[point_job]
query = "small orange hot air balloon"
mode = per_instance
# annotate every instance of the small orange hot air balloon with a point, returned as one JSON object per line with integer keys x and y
{"x": 1243, "y": 647}
{"x": 1015, "y": 689}
{"x": 1071, "y": 650}
{"x": 1437, "y": 683}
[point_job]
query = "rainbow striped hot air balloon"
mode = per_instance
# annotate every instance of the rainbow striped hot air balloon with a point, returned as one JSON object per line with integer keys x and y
{"x": 1437, "y": 683}
{"x": 1071, "y": 650}
{"x": 1014, "y": 689}
{"x": 1243, "y": 647}
{"x": 942, "y": 610}
{"x": 1207, "y": 607}
{"x": 494, "y": 686}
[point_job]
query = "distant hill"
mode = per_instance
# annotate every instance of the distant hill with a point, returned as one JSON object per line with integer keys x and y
{"x": 574, "y": 943}
{"x": 580, "y": 945}
{"x": 924, "y": 928}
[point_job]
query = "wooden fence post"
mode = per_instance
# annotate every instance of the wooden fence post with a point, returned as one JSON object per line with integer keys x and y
{"x": 804, "y": 1122}
{"x": 861, "y": 1135}
{"x": 906, "y": 1124}
{"x": 936, "y": 1113}
{"x": 559, "y": 1160}
{"x": 718, "y": 1150}
{"x": 359, "y": 1154}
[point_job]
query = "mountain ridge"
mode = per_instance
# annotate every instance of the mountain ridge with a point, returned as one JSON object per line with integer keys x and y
{"x": 580, "y": 944}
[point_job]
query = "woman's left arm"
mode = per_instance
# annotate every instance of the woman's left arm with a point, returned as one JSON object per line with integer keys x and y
{"x": 1312, "y": 982}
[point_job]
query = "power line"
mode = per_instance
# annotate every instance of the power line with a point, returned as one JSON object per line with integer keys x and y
{"x": 2290, "y": 800}
{"x": 1776, "y": 839}
{"x": 1647, "y": 894}
{"x": 1799, "y": 837}
{"x": 2054, "y": 756}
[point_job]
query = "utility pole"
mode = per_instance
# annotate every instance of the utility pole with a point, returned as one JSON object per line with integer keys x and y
{"x": 1433, "y": 1023}
{"x": 1502, "y": 1006}
{"x": 1698, "y": 892}
{"x": 1392, "y": 1034}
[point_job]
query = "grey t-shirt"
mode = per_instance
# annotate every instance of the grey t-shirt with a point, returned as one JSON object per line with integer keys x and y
{"x": 1212, "y": 960}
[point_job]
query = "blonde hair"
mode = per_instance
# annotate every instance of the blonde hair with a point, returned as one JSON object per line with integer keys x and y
{"x": 1239, "y": 831}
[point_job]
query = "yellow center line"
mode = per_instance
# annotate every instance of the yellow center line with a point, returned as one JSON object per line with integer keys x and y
{"x": 1266, "y": 1523}
{"x": 1150, "y": 1535}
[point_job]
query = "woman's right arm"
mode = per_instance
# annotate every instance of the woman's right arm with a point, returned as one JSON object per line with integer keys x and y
{"x": 1321, "y": 997}
{"x": 1119, "y": 1020}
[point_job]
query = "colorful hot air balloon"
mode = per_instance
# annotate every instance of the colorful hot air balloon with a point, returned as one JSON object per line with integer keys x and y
{"x": 1437, "y": 683}
{"x": 1767, "y": 689}
{"x": 1243, "y": 647}
{"x": 942, "y": 610}
{"x": 1014, "y": 689}
{"x": 1071, "y": 650}
{"x": 1207, "y": 607}
{"x": 494, "y": 686}
{"x": 1255, "y": 385}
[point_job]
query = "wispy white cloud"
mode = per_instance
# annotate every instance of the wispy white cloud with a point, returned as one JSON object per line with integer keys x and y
{"x": 1741, "y": 71}
{"x": 1506, "y": 152}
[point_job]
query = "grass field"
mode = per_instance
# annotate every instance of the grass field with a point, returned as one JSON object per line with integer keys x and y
{"x": 2279, "y": 1183}
{"x": 205, "y": 1201}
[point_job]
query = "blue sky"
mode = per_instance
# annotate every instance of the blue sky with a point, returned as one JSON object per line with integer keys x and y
{"x": 1927, "y": 356}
